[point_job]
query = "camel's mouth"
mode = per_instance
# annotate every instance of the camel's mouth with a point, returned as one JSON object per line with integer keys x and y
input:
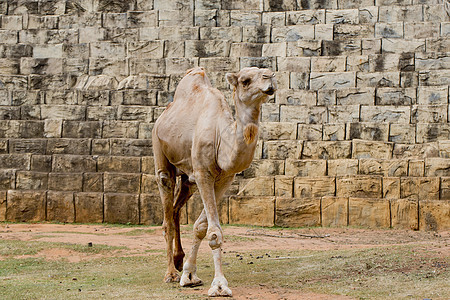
{"x": 269, "y": 92}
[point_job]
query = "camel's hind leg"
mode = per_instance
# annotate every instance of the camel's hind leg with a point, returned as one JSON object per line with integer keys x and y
{"x": 184, "y": 192}
{"x": 189, "y": 277}
{"x": 165, "y": 173}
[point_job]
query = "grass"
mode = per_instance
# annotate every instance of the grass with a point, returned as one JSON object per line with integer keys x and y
{"x": 394, "y": 272}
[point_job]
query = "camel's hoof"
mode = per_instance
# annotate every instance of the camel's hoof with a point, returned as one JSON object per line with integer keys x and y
{"x": 171, "y": 277}
{"x": 190, "y": 279}
{"x": 219, "y": 288}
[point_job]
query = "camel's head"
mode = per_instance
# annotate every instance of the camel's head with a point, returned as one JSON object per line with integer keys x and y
{"x": 253, "y": 84}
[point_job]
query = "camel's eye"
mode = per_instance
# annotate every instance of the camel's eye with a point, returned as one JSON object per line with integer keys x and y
{"x": 246, "y": 82}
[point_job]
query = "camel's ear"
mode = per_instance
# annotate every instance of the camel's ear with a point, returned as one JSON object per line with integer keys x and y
{"x": 232, "y": 79}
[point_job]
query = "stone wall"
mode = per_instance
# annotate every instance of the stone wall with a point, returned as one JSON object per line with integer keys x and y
{"x": 358, "y": 133}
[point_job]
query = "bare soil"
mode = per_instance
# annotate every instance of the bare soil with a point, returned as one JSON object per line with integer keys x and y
{"x": 139, "y": 241}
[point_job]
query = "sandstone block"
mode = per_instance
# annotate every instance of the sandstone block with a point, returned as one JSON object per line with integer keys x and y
{"x": 274, "y": 49}
{"x": 342, "y": 167}
{"x": 326, "y": 150}
{"x": 432, "y": 95}
{"x": 314, "y": 187}
{"x": 26, "y": 180}
{"x": 404, "y": 214}
{"x": 274, "y": 18}
{"x": 373, "y": 213}
{"x": 310, "y": 132}
{"x": 264, "y": 167}
{"x": 34, "y": 146}
{"x": 7, "y": 179}
{"x": 140, "y": 19}
{"x": 323, "y": 31}
{"x": 434, "y": 215}
{"x": 359, "y": 186}
{"x": 302, "y": 114}
{"x": 416, "y": 167}
{"x": 260, "y": 186}
{"x": 317, "y": 4}
{"x": 387, "y": 168}
{"x": 280, "y": 5}
{"x": 92, "y": 182}
{"x": 65, "y": 181}
{"x": 342, "y": 16}
{"x": 270, "y": 112}
{"x": 389, "y": 14}
{"x": 333, "y": 132}
{"x": 278, "y": 131}
{"x": 208, "y": 48}
{"x": 172, "y": 17}
{"x": 48, "y": 51}
{"x": 396, "y": 96}
{"x": 148, "y": 49}
{"x": 332, "y": 80}
{"x": 122, "y": 182}
{"x": 432, "y": 132}
{"x": 328, "y": 64}
{"x": 344, "y": 114}
{"x": 245, "y": 18}
{"x": 292, "y": 33}
{"x": 296, "y": 97}
{"x": 118, "y": 164}
{"x": 60, "y": 207}
{"x": 437, "y": 167}
{"x": 149, "y": 184}
{"x": 299, "y": 80}
{"x": 401, "y": 45}
{"x": 131, "y": 147}
{"x": 282, "y": 149}
{"x": 368, "y": 14}
{"x": 353, "y": 96}
{"x": 422, "y": 188}
{"x": 294, "y": 212}
{"x": 390, "y": 114}
{"x": 68, "y": 146}
{"x": 258, "y": 34}
{"x": 359, "y": 62}
{"x": 389, "y": 30}
{"x": 73, "y": 163}
{"x": 445, "y": 188}
{"x": 232, "y": 33}
{"x": 121, "y": 208}
{"x": 250, "y": 210}
{"x": 89, "y": 207}
{"x": 284, "y": 186}
{"x": 416, "y": 151}
{"x": 429, "y": 113}
{"x": 311, "y": 168}
{"x": 244, "y": 49}
{"x": 371, "y": 149}
{"x": 304, "y": 48}
{"x": 334, "y": 211}
{"x": 120, "y": 129}
{"x": 15, "y": 161}
{"x": 368, "y": 131}
{"x": 2, "y": 206}
{"x": 305, "y": 17}
{"x": 151, "y": 210}
{"x": 391, "y": 187}
{"x": 25, "y": 206}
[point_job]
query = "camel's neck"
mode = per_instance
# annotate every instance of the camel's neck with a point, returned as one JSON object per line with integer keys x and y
{"x": 238, "y": 140}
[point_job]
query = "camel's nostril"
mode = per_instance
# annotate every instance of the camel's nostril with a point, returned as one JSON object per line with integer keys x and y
{"x": 269, "y": 92}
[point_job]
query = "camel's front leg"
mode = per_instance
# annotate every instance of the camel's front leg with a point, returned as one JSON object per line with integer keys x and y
{"x": 210, "y": 191}
{"x": 189, "y": 277}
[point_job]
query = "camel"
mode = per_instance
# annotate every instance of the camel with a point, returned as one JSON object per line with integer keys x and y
{"x": 197, "y": 139}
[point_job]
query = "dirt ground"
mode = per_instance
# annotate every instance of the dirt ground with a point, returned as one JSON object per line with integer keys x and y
{"x": 140, "y": 241}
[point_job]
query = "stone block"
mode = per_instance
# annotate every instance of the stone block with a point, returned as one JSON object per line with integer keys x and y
{"x": 282, "y": 149}
{"x": 353, "y": 96}
{"x": 278, "y": 131}
{"x": 342, "y": 167}
{"x": 422, "y": 30}
{"x": 326, "y": 150}
{"x": 444, "y": 149}
{"x": 15, "y": 161}
{"x": 432, "y": 132}
{"x": 251, "y": 210}
{"x": 93, "y": 182}
{"x": 434, "y": 215}
{"x": 274, "y": 49}
{"x": 73, "y": 163}
{"x": 306, "y": 167}
{"x": 333, "y": 132}
{"x": 402, "y": 133}
{"x": 147, "y": 49}
{"x": 305, "y": 187}
{"x": 151, "y": 210}
{"x": 332, "y": 80}
{"x": 317, "y": 4}
{"x": 29, "y": 180}
{"x": 260, "y": 186}
{"x": 76, "y": 129}
{"x": 294, "y": 212}
{"x": 344, "y": 114}
{"x": 119, "y": 164}
{"x": 131, "y": 147}
{"x": 366, "y": 212}
{"x": 34, "y": 146}
{"x": 359, "y": 186}
{"x": 386, "y": 168}
{"x": 283, "y": 5}
{"x": 122, "y": 182}
{"x": 445, "y": 188}
{"x": 437, "y": 167}
{"x": 101, "y": 147}
{"x": 41, "y": 163}
{"x": 304, "y": 48}
{"x": 416, "y": 167}
{"x": 368, "y": 14}
{"x": 245, "y": 18}
{"x": 310, "y": 132}
{"x": 323, "y": 31}
{"x": 88, "y": 207}
{"x": 416, "y": 151}
{"x": 368, "y": 131}
{"x": 391, "y": 187}
{"x": 264, "y": 167}
{"x": 299, "y": 80}
{"x": 208, "y": 48}
{"x": 386, "y": 114}
{"x": 25, "y": 206}
{"x": 396, "y": 96}
{"x": 284, "y": 186}
{"x": 68, "y": 146}
{"x": 292, "y": 33}
{"x": 404, "y": 214}
{"x": 410, "y": 13}
{"x": 305, "y": 17}
{"x": 421, "y": 188}
{"x": 65, "y": 181}
{"x": 342, "y": 16}
{"x": 121, "y": 208}
{"x": 345, "y": 32}
{"x": 257, "y": 34}
{"x": 389, "y": 30}
{"x": 302, "y": 114}
{"x": 334, "y": 211}
{"x": 274, "y": 18}
{"x": 48, "y": 51}
{"x": 328, "y": 64}
{"x": 435, "y": 13}
{"x": 432, "y": 95}
{"x": 140, "y": 19}
{"x": 429, "y": 113}
{"x": 7, "y": 179}
{"x": 66, "y": 112}
{"x": 270, "y": 112}
{"x": 172, "y": 17}
{"x": 195, "y": 206}
{"x": 358, "y": 63}
{"x": 120, "y": 129}
{"x": 401, "y": 46}
{"x": 149, "y": 184}
{"x": 60, "y": 207}
{"x": 371, "y": 149}
{"x": 296, "y": 97}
